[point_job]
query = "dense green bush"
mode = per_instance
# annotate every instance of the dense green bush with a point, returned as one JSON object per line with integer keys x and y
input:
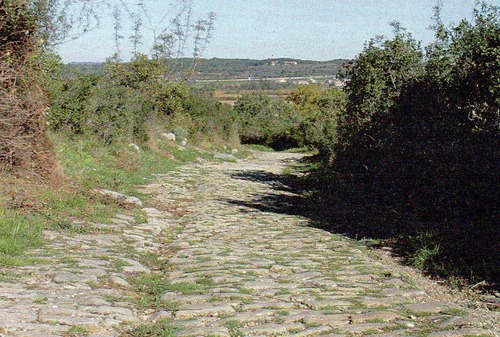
{"x": 269, "y": 121}
{"x": 417, "y": 151}
{"x": 127, "y": 98}
{"x": 307, "y": 117}
{"x": 320, "y": 110}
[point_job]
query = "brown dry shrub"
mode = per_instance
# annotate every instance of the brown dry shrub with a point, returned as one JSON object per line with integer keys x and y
{"x": 23, "y": 121}
{"x": 23, "y": 108}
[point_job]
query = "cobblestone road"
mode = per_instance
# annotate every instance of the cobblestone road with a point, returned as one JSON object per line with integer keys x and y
{"x": 234, "y": 265}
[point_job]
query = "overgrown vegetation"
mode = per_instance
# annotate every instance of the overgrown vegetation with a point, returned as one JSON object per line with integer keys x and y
{"x": 307, "y": 117}
{"x": 22, "y": 106}
{"x": 131, "y": 100}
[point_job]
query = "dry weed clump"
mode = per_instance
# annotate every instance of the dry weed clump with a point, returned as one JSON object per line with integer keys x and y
{"x": 23, "y": 121}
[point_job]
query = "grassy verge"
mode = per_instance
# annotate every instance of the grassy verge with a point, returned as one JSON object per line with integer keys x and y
{"x": 18, "y": 232}
{"x": 29, "y": 205}
{"x": 120, "y": 166}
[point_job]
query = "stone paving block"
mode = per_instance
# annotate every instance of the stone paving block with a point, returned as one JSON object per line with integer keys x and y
{"x": 118, "y": 281}
{"x": 211, "y": 331}
{"x": 385, "y": 316}
{"x": 134, "y": 267}
{"x": 271, "y": 329}
{"x": 402, "y": 292}
{"x": 199, "y": 305}
{"x": 427, "y": 308}
{"x": 462, "y": 322}
{"x": 321, "y": 283}
{"x": 364, "y": 328}
{"x": 314, "y": 331}
{"x": 197, "y": 322}
{"x": 160, "y": 315}
{"x": 208, "y": 312}
{"x": 327, "y": 304}
{"x": 335, "y": 320}
{"x": 462, "y": 333}
{"x": 121, "y": 314}
{"x": 376, "y": 302}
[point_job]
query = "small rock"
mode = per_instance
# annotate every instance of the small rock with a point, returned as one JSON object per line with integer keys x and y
{"x": 121, "y": 197}
{"x": 427, "y": 308}
{"x": 225, "y": 156}
{"x": 169, "y": 296}
{"x": 169, "y": 136}
{"x": 159, "y": 315}
{"x": 211, "y": 312}
{"x": 135, "y": 147}
{"x": 119, "y": 282}
{"x": 138, "y": 268}
{"x": 184, "y": 142}
{"x": 74, "y": 278}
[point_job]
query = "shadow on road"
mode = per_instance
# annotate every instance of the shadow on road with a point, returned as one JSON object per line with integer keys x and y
{"x": 351, "y": 208}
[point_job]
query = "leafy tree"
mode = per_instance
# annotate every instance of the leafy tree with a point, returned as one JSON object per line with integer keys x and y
{"x": 268, "y": 121}
{"x": 475, "y": 48}
{"x": 377, "y": 77}
{"x": 321, "y": 110}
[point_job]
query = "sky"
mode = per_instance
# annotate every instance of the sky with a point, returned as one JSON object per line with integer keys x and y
{"x": 261, "y": 29}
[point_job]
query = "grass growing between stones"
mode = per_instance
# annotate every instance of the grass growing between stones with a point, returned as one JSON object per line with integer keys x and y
{"x": 77, "y": 331}
{"x": 151, "y": 287}
{"x": 153, "y": 261}
{"x": 163, "y": 328}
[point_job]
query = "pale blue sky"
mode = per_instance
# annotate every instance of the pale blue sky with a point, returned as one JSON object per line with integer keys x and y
{"x": 314, "y": 30}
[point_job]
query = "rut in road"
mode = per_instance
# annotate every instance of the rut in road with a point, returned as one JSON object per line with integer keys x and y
{"x": 229, "y": 261}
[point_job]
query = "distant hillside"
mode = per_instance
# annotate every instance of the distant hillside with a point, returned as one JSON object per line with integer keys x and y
{"x": 241, "y": 68}
{"x": 219, "y": 69}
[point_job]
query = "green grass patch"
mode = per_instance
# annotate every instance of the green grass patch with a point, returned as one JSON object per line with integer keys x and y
{"x": 150, "y": 289}
{"x": 454, "y": 312}
{"x": 77, "y": 331}
{"x": 117, "y": 167}
{"x": 232, "y": 325}
{"x": 119, "y": 264}
{"x": 163, "y": 328}
{"x": 18, "y": 233}
{"x": 153, "y": 261}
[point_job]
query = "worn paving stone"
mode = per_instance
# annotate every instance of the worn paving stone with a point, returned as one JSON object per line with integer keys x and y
{"x": 211, "y": 311}
{"x": 428, "y": 308}
{"x": 272, "y": 329}
{"x": 314, "y": 331}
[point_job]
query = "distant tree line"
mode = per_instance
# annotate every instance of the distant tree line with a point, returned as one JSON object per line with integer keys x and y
{"x": 220, "y": 69}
